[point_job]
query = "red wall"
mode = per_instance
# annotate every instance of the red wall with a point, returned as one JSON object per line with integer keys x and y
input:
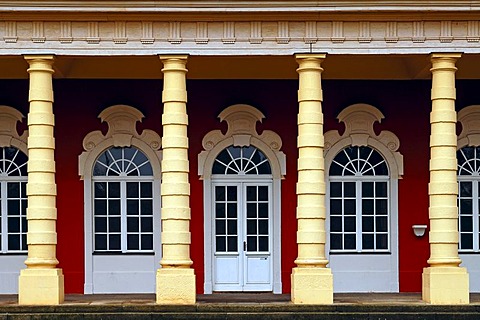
{"x": 405, "y": 104}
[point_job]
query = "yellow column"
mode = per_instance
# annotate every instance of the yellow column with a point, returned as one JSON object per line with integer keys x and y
{"x": 41, "y": 283}
{"x": 175, "y": 279}
{"x": 444, "y": 282}
{"x": 312, "y": 281}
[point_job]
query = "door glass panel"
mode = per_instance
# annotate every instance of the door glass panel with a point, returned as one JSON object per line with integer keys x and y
{"x": 231, "y": 210}
{"x": 263, "y": 244}
{"x": 232, "y": 244}
{"x": 257, "y": 218}
{"x": 226, "y": 226}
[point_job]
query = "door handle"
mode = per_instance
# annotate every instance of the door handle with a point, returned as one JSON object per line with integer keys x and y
{"x": 244, "y": 245}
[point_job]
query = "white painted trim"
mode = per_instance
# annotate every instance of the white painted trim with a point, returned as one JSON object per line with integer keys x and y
{"x": 197, "y": 6}
{"x": 9, "y": 137}
{"x": 122, "y": 132}
{"x": 241, "y": 120}
{"x": 469, "y": 117}
{"x": 252, "y": 32}
{"x": 359, "y": 120}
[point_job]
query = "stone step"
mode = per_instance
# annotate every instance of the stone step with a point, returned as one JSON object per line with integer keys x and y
{"x": 241, "y": 311}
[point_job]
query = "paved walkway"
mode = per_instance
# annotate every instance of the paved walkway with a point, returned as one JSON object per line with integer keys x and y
{"x": 245, "y": 306}
{"x": 242, "y": 298}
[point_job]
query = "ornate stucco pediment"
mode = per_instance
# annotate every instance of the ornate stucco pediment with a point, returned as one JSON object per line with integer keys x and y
{"x": 121, "y": 121}
{"x": 241, "y": 120}
{"x": 122, "y": 132}
{"x": 8, "y": 129}
{"x": 359, "y": 120}
{"x": 469, "y": 117}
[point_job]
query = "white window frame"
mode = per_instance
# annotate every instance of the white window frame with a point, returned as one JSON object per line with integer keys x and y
{"x": 475, "y": 181}
{"x": 359, "y": 180}
{"x": 123, "y": 180}
{"x": 359, "y": 120}
{"x": 5, "y": 179}
{"x": 241, "y": 120}
{"x": 11, "y": 264}
{"x": 469, "y": 118}
{"x": 121, "y": 120}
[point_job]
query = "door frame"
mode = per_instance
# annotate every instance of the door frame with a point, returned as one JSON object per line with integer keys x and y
{"x": 393, "y": 283}
{"x": 275, "y": 226}
{"x": 122, "y": 132}
{"x": 359, "y": 120}
{"x": 242, "y": 184}
{"x": 241, "y": 120}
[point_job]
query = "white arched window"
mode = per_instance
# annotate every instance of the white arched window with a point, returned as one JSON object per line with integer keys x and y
{"x": 359, "y": 201}
{"x": 13, "y": 200}
{"x": 468, "y": 175}
{"x": 123, "y": 201}
{"x": 362, "y": 169}
{"x": 121, "y": 173}
{"x": 242, "y": 172}
{"x": 468, "y": 198}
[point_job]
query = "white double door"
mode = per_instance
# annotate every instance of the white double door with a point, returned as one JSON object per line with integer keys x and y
{"x": 242, "y": 236}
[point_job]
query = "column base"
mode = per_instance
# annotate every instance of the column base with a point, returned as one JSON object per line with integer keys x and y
{"x": 40, "y": 287}
{"x": 176, "y": 286}
{"x": 312, "y": 286}
{"x": 445, "y": 285}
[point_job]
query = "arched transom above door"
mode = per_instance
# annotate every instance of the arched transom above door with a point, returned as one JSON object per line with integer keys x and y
{"x": 241, "y": 120}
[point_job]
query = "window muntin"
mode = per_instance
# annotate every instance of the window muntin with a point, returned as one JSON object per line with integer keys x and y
{"x": 468, "y": 199}
{"x": 226, "y": 219}
{"x": 257, "y": 218}
{"x": 242, "y": 211}
{"x": 123, "y": 201}
{"x": 359, "y": 201}
{"x": 13, "y": 200}
{"x": 241, "y": 161}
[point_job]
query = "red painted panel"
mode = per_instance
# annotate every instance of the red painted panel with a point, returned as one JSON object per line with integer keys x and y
{"x": 405, "y": 104}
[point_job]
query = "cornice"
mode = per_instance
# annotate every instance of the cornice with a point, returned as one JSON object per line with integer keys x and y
{"x": 94, "y": 34}
{"x": 221, "y": 6}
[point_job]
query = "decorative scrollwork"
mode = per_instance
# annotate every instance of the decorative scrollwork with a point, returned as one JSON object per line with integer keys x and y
{"x": 241, "y": 120}
{"x": 122, "y": 132}
{"x": 359, "y": 120}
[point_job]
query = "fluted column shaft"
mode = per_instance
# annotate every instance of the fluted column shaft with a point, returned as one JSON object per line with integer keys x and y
{"x": 41, "y": 282}
{"x": 312, "y": 281}
{"x": 443, "y": 189}
{"x": 175, "y": 280}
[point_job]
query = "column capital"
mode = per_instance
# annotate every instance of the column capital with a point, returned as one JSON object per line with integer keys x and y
{"x": 446, "y": 55}
{"x": 444, "y": 61}
{"x": 303, "y": 56}
{"x": 42, "y": 63}
{"x": 42, "y": 57}
{"x": 173, "y": 57}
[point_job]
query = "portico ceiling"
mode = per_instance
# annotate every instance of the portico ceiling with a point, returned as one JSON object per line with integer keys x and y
{"x": 395, "y": 67}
